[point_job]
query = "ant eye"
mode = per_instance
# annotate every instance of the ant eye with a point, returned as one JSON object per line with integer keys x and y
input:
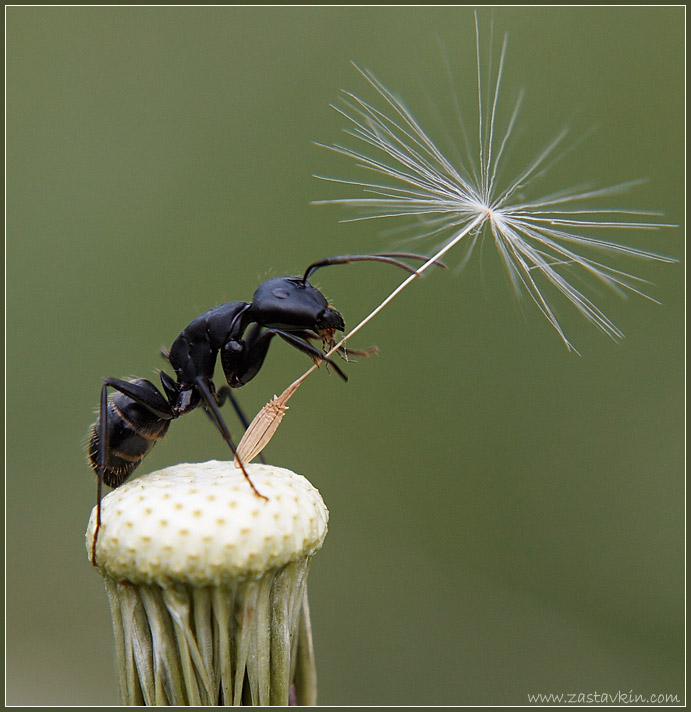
{"x": 280, "y": 293}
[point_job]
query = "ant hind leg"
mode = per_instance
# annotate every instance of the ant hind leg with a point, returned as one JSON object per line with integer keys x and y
{"x": 152, "y": 424}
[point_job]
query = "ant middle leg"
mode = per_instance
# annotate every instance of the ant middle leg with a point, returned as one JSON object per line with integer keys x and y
{"x": 221, "y": 395}
{"x": 213, "y": 409}
{"x": 225, "y": 393}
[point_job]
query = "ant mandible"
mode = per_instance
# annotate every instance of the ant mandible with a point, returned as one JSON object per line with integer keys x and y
{"x": 138, "y": 414}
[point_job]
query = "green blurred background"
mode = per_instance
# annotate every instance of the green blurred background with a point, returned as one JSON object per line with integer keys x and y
{"x": 506, "y": 518}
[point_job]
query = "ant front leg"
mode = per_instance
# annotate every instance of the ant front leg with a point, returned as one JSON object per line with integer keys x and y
{"x": 215, "y": 412}
{"x": 343, "y": 350}
{"x": 302, "y": 345}
{"x": 241, "y": 361}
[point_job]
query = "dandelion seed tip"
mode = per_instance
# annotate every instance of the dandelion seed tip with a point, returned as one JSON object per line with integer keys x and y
{"x": 206, "y": 546}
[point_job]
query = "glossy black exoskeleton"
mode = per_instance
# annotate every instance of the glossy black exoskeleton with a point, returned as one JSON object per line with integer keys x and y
{"x": 138, "y": 414}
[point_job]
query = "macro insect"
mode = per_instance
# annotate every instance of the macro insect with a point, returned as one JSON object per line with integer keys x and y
{"x": 138, "y": 414}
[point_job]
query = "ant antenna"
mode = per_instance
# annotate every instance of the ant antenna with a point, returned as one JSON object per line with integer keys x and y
{"x": 388, "y": 257}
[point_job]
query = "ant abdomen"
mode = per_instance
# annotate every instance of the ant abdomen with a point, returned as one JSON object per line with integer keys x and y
{"x": 132, "y": 430}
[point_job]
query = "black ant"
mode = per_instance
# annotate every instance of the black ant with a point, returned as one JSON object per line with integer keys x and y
{"x": 138, "y": 414}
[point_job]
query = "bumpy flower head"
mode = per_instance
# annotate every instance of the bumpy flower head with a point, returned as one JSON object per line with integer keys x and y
{"x": 201, "y": 523}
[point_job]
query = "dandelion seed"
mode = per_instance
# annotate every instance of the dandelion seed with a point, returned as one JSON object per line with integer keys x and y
{"x": 540, "y": 241}
{"x": 462, "y": 201}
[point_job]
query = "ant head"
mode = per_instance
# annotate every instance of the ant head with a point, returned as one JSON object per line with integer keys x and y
{"x": 293, "y": 304}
